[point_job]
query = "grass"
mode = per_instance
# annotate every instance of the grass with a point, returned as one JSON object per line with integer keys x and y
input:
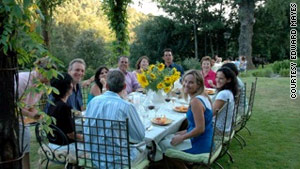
{"x": 275, "y": 140}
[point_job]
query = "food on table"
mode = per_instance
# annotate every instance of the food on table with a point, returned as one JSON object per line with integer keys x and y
{"x": 181, "y": 108}
{"x": 161, "y": 120}
{"x": 210, "y": 91}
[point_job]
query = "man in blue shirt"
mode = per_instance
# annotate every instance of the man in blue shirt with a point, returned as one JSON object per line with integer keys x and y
{"x": 76, "y": 70}
{"x": 168, "y": 59}
{"x": 111, "y": 106}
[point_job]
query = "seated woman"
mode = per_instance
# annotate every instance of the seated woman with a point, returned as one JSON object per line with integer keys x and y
{"x": 100, "y": 83}
{"x": 199, "y": 115}
{"x": 226, "y": 89}
{"x": 208, "y": 75}
{"x": 141, "y": 64}
{"x": 61, "y": 111}
{"x": 243, "y": 101}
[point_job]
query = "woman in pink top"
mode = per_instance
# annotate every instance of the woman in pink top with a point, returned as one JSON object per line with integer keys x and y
{"x": 208, "y": 75}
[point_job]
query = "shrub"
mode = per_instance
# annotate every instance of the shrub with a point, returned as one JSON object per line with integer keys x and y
{"x": 191, "y": 63}
{"x": 284, "y": 72}
{"x": 262, "y": 72}
{"x": 278, "y": 65}
{"x": 245, "y": 74}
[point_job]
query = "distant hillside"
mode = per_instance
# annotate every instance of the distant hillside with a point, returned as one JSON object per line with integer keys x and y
{"x": 87, "y": 14}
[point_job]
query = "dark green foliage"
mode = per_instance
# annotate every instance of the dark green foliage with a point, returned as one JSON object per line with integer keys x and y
{"x": 267, "y": 72}
{"x": 271, "y": 30}
{"x": 191, "y": 63}
{"x": 118, "y": 22}
{"x": 158, "y": 33}
{"x": 284, "y": 72}
{"x": 90, "y": 48}
{"x": 279, "y": 65}
{"x": 195, "y": 15}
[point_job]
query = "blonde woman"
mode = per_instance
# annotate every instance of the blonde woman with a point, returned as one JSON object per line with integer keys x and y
{"x": 199, "y": 115}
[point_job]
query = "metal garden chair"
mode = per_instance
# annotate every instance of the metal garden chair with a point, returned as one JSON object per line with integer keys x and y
{"x": 59, "y": 154}
{"x": 246, "y": 116}
{"x": 205, "y": 158}
{"x": 104, "y": 145}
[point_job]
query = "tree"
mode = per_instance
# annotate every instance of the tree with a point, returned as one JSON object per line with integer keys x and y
{"x": 191, "y": 12}
{"x": 15, "y": 19}
{"x": 157, "y": 33}
{"x": 19, "y": 44}
{"x": 47, "y": 7}
{"x": 247, "y": 20}
{"x": 272, "y": 38}
{"x": 90, "y": 47}
{"x": 116, "y": 11}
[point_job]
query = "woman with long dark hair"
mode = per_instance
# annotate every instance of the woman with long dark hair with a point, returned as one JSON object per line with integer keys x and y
{"x": 100, "y": 83}
{"x": 227, "y": 88}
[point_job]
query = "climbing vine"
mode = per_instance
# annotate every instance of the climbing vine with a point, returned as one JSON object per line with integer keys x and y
{"x": 116, "y": 11}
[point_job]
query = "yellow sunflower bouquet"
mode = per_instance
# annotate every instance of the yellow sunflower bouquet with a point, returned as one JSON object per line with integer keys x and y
{"x": 158, "y": 78}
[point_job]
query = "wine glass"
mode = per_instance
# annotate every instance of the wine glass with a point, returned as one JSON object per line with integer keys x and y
{"x": 151, "y": 107}
{"x": 168, "y": 99}
{"x": 178, "y": 94}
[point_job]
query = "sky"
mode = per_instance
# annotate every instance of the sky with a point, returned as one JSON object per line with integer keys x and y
{"x": 146, "y": 7}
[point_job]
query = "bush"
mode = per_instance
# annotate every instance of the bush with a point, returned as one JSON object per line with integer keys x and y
{"x": 245, "y": 74}
{"x": 262, "y": 73}
{"x": 278, "y": 65}
{"x": 191, "y": 63}
{"x": 284, "y": 72}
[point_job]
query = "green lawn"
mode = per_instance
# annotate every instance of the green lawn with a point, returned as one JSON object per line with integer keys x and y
{"x": 275, "y": 127}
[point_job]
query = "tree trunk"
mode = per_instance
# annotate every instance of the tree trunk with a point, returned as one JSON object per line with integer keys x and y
{"x": 45, "y": 23}
{"x": 247, "y": 20}
{"x": 211, "y": 44}
{"x": 9, "y": 126}
{"x": 196, "y": 39}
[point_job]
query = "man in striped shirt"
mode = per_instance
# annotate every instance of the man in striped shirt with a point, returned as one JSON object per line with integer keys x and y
{"x": 111, "y": 106}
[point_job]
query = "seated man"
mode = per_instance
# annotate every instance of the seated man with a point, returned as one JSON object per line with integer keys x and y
{"x": 76, "y": 70}
{"x": 130, "y": 79}
{"x": 168, "y": 59}
{"x": 111, "y": 106}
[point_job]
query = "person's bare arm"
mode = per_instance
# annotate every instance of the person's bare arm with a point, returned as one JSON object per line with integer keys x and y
{"x": 87, "y": 82}
{"x": 72, "y": 136}
{"x": 198, "y": 113}
{"x": 218, "y": 104}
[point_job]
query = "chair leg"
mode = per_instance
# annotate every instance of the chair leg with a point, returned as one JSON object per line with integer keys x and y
{"x": 248, "y": 130}
{"x": 219, "y": 165}
{"x": 230, "y": 156}
{"x": 242, "y": 138}
{"x": 47, "y": 164}
{"x": 241, "y": 144}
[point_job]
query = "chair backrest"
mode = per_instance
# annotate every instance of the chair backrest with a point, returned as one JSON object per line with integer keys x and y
{"x": 44, "y": 137}
{"x": 218, "y": 136}
{"x": 251, "y": 99}
{"x": 105, "y": 143}
{"x": 241, "y": 104}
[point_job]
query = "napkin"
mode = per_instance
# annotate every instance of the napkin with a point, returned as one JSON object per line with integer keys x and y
{"x": 166, "y": 144}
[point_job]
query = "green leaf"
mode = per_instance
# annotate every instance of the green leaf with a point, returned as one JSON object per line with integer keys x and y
{"x": 55, "y": 90}
{"x": 17, "y": 11}
{"x": 26, "y": 3}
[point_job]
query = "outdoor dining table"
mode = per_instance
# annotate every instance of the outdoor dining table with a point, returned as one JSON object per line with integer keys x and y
{"x": 155, "y": 133}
